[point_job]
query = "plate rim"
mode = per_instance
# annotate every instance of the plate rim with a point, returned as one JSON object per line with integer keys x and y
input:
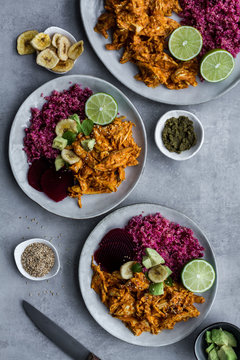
{"x": 68, "y": 78}
{"x": 174, "y": 211}
{"x": 235, "y": 83}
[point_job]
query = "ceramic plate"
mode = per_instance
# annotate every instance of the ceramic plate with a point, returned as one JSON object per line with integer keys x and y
{"x": 119, "y": 218}
{"x": 92, "y": 205}
{"x": 90, "y": 11}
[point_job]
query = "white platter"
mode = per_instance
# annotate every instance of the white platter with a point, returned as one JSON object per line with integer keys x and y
{"x": 90, "y": 11}
{"x": 92, "y": 205}
{"x": 119, "y": 218}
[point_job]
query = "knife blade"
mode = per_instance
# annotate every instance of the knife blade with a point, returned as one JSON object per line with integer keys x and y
{"x": 55, "y": 333}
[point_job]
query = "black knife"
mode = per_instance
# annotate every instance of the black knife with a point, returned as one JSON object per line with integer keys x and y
{"x": 60, "y": 337}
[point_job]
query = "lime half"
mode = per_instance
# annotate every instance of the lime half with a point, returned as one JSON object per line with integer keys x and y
{"x": 101, "y": 108}
{"x": 198, "y": 276}
{"x": 217, "y": 65}
{"x": 185, "y": 43}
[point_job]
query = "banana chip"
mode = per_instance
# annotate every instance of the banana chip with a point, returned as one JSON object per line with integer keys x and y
{"x": 23, "y": 42}
{"x": 41, "y": 41}
{"x": 64, "y": 66}
{"x": 63, "y": 44}
{"x": 47, "y": 58}
{"x": 76, "y": 50}
{"x": 55, "y": 39}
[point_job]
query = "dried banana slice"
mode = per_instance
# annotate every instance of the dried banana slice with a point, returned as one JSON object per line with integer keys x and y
{"x": 47, "y": 58}
{"x": 55, "y": 39}
{"x": 76, "y": 50}
{"x": 63, "y": 66}
{"x": 41, "y": 41}
{"x": 23, "y": 42}
{"x": 63, "y": 44}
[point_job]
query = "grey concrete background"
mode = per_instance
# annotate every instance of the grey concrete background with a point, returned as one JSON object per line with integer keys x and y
{"x": 206, "y": 188}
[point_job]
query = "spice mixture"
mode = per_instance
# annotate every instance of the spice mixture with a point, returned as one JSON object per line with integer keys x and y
{"x": 178, "y": 134}
{"x": 38, "y": 259}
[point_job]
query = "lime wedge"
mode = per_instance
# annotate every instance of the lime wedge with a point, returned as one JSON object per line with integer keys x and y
{"x": 198, "y": 276}
{"x": 101, "y": 108}
{"x": 217, "y": 65}
{"x": 185, "y": 43}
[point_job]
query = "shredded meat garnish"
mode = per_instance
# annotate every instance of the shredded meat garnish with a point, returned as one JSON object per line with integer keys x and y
{"x": 141, "y": 27}
{"x": 130, "y": 301}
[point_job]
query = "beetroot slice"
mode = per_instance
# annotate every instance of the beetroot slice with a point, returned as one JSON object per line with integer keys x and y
{"x": 119, "y": 235}
{"x": 35, "y": 173}
{"x": 55, "y": 183}
{"x": 115, "y": 249}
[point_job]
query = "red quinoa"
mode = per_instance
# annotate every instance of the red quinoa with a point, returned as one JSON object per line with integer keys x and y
{"x": 175, "y": 243}
{"x": 218, "y": 22}
{"x": 41, "y": 132}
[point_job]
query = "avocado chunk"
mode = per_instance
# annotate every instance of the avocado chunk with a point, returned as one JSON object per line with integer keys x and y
{"x": 208, "y": 337}
{"x": 59, "y": 143}
{"x": 219, "y": 337}
{"x": 209, "y": 348}
{"x": 59, "y": 162}
{"x": 231, "y": 339}
{"x": 146, "y": 261}
{"x": 227, "y": 353}
{"x": 156, "y": 288}
{"x": 168, "y": 270}
{"x": 154, "y": 256}
{"x": 213, "y": 355}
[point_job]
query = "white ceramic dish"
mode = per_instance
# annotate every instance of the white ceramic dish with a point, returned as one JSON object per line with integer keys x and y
{"x": 92, "y": 205}
{"x": 20, "y": 249}
{"x": 53, "y": 30}
{"x": 115, "y": 327}
{"x": 91, "y": 10}
{"x": 198, "y": 128}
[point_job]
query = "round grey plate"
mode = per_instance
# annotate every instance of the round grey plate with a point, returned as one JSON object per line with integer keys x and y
{"x": 115, "y": 327}
{"x": 90, "y": 11}
{"x": 92, "y": 205}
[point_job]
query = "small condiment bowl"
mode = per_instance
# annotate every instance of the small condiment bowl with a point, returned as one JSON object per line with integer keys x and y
{"x": 200, "y": 344}
{"x": 20, "y": 249}
{"x": 53, "y": 30}
{"x": 198, "y": 128}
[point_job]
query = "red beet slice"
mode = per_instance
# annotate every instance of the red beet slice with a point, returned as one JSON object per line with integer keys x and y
{"x": 115, "y": 249}
{"x": 35, "y": 173}
{"x": 55, "y": 183}
{"x": 117, "y": 234}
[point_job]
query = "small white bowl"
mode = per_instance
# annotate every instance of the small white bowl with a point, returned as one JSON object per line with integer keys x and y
{"x": 20, "y": 249}
{"x": 198, "y": 128}
{"x": 53, "y": 30}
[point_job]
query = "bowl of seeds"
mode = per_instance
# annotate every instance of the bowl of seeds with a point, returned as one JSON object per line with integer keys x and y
{"x": 37, "y": 259}
{"x": 179, "y": 134}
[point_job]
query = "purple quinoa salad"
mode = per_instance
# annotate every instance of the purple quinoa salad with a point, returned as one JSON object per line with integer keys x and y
{"x": 217, "y": 21}
{"x": 175, "y": 243}
{"x": 41, "y": 132}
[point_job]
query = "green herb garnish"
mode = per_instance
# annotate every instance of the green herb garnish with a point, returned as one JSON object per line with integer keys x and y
{"x": 136, "y": 268}
{"x": 87, "y": 126}
{"x": 69, "y": 136}
{"x": 169, "y": 281}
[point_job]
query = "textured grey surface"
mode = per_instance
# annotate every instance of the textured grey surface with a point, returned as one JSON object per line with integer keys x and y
{"x": 206, "y": 188}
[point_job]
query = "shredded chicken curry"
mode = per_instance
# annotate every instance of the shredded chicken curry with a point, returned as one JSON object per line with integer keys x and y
{"x": 141, "y": 27}
{"x": 102, "y": 170}
{"x": 130, "y": 302}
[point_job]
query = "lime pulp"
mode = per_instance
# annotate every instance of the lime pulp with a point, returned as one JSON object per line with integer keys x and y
{"x": 217, "y": 65}
{"x": 198, "y": 276}
{"x": 185, "y": 43}
{"x": 101, "y": 108}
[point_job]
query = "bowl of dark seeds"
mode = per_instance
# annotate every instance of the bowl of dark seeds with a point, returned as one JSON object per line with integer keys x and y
{"x": 37, "y": 259}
